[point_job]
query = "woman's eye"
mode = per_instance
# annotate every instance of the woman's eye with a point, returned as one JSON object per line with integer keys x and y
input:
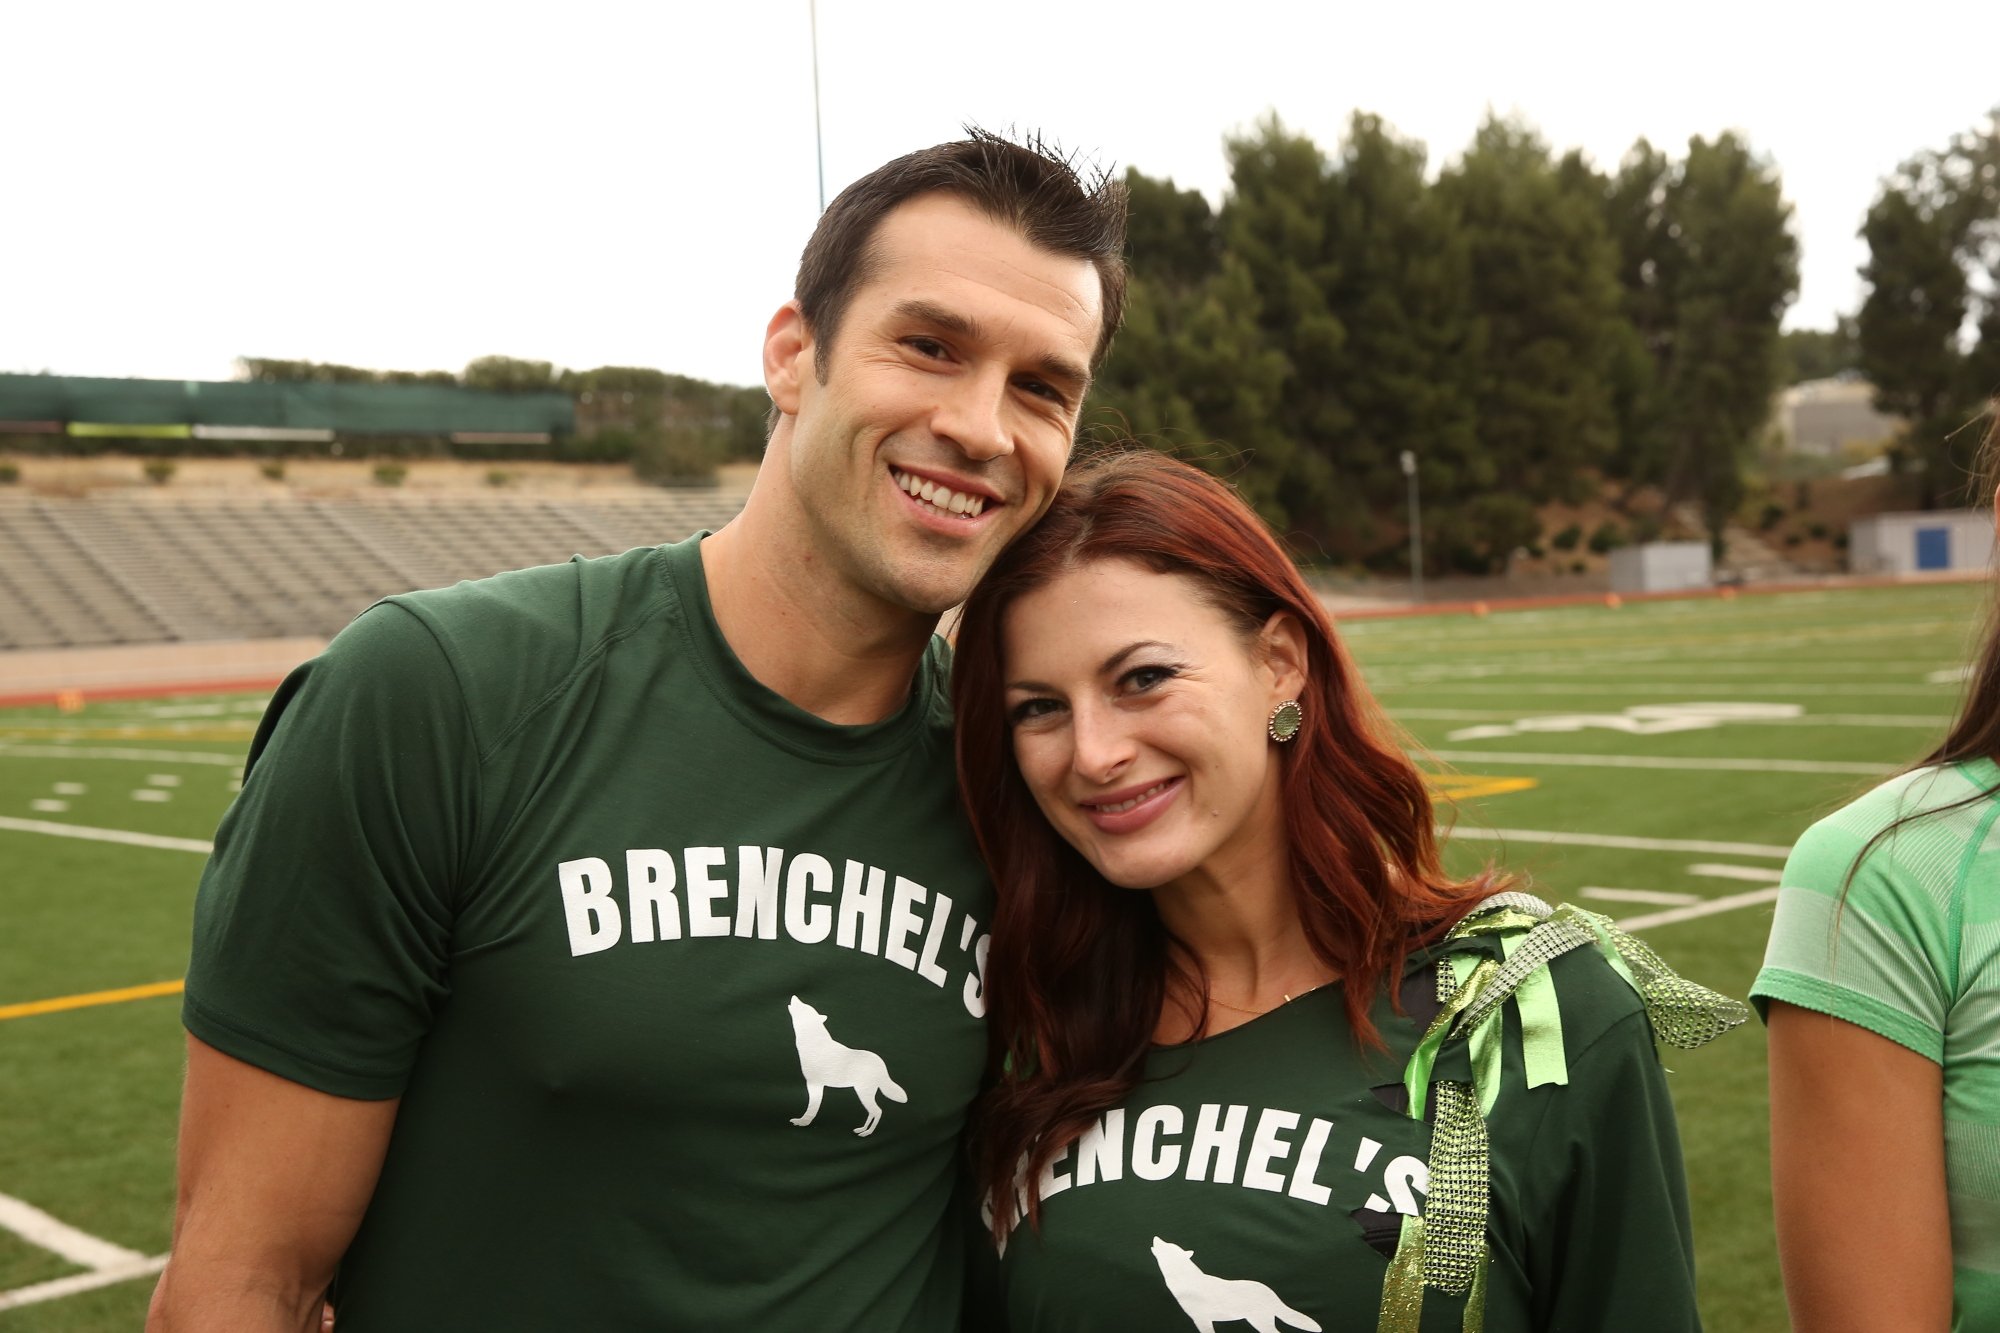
{"x": 1028, "y": 710}
{"x": 1145, "y": 678}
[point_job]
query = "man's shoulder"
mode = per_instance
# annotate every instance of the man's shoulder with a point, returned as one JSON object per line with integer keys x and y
{"x": 547, "y": 617}
{"x": 515, "y": 638}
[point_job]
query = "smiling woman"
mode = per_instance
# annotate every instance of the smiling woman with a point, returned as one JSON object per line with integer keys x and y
{"x": 1225, "y": 954}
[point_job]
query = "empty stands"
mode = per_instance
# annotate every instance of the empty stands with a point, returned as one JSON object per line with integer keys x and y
{"x": 154, "y": 566}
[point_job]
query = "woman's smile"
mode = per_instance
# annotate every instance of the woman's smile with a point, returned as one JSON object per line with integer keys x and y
{"x": 1133, "y": 808}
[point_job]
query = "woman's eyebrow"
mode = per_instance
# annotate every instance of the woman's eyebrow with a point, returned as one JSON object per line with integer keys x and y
{"x": 1104, "y": 668}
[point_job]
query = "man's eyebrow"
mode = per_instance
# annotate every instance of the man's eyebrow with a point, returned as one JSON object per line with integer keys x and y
{"x": 1061, "y": 369}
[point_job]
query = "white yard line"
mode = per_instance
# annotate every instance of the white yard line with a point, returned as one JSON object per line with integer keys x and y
{"x": 80, "y": 1248}
{"x": 1654, "y": 896}
{"x": 1756, "y": 874}
{"x": 1685, "y": 689}
{"x": 55, "y": 830}
{"x": 114, "y": 752}
{"x": 140, "y": 1266}
{"x": 1713, "y": 907}
{"x": 1923, "y": 721}
{"x": 1663, "y": 761}
{"x": 1616, "y": 840}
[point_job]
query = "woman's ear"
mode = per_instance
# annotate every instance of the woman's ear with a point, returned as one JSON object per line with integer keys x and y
{"x": 1283, "y": 641}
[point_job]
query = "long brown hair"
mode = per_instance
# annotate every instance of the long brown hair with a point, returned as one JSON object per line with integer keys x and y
{"x": 1975, "y": 734}
{"x": 1078, "y": 970}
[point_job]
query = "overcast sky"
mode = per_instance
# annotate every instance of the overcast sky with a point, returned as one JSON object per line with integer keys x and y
{"x": 413, "y": 184}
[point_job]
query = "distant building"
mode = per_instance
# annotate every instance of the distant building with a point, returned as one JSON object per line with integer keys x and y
{"x": 1661, "y": 567}
{"x": 1939, "y": 541}
{"x": 1824, "y": 417}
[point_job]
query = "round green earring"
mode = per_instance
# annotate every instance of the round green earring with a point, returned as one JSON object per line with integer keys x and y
{"x": 1286, "y": 719}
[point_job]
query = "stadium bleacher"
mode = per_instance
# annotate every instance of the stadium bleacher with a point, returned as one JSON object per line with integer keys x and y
{"x": 150, "y": 567}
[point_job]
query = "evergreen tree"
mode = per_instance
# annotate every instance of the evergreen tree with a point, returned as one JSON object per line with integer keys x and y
{"x": 1707, "y": 264}
{"x": 1929, "y": 330}
{"x": 1544, "y": 287}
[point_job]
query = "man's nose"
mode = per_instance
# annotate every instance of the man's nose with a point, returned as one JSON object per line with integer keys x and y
{"x": 972, "y": 415}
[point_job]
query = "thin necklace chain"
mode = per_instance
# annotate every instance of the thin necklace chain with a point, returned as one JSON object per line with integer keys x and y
{"x": 1258, "y": 1013}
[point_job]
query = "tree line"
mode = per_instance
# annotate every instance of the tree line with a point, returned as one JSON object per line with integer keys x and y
{"x": 1523, "y": 324}
{"x": 1928, "y": 334}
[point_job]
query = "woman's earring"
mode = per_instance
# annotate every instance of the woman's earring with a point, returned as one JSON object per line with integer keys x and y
{"x": 1286, "y": 719}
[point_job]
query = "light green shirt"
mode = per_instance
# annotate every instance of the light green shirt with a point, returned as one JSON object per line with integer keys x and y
{"x": 1911, "y": 950}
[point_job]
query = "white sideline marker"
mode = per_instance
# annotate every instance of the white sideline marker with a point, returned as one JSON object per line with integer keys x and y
{"x": 1713, "y": 907}
{"x": 1620, "y": 841}
{"x": 153, "y": 794}
{"x": 1654, "y": 896}
{"x": 52, "y": 829}
{"x": 162, "y": 780}
{"x": 48, "y": 805}
{"x": 1689, "y": 764}
{"x": 81, "y": 1282}
{"x": 108, "y": 1263}
{"x": 1756, "y": 874}
{"x": 118, "y": 752}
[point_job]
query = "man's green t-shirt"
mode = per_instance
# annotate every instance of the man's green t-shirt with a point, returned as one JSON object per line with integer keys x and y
{"x": 1261, "y": 1176}
{"x": 680, "y": 986}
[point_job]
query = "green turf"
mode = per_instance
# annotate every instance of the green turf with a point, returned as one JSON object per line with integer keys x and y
{"x": 90, "y": 1093}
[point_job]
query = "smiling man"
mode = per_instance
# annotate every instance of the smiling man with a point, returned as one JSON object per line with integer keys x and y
{"x": 600, "y": 946}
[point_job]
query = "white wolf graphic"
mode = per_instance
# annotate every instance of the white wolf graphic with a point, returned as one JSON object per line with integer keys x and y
{"x": 1219, "y": 1300}
{"x": 828, "y": 1064}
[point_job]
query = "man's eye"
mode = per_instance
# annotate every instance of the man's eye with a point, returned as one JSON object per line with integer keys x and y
{"x": 929, "y": 347}
{"x": 1042, "y": 390}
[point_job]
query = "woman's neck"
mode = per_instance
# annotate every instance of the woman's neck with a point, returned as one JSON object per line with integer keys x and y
{"x": 1241, "y": 938}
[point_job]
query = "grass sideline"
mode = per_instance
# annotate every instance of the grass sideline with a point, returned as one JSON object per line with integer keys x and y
{"x": 1673, "y": 749}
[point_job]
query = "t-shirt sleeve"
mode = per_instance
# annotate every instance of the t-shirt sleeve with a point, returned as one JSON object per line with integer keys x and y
{"x": 323, "y": 924}
{"x": 1872, "y": 949}
{"x": 1611, "y": 1244}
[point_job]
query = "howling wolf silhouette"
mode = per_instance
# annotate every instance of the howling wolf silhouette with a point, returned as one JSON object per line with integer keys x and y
{"x": 1219, "y": 1300}
{"x": 828, "y": 1064}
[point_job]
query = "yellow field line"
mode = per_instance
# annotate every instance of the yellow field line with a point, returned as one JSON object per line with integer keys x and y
{"x": 63, "y": 1002}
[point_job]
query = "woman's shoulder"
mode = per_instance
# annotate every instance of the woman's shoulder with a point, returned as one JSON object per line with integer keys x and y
{"x": 1576, "y": 968}
{"x": 1917, "y": 823}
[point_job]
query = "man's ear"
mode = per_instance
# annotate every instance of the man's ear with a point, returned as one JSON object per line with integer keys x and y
{"x": 788, "y": 355}
{"x": 1283, "y": 641}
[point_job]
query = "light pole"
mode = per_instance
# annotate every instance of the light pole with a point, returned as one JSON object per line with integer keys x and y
{"x": 1416, "y": 529}
{"x": 819, "y": 147}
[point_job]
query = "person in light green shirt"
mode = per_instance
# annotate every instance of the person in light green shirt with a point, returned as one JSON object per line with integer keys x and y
{"x": 1881, "y": 988}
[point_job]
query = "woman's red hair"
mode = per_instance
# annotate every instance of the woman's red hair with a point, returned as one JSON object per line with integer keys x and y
{"x": 1079, "y": 970}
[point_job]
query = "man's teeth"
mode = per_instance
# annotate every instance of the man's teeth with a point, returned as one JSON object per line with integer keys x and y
{"x": 1123, "y": 806}
{"x": 941, "y": 498}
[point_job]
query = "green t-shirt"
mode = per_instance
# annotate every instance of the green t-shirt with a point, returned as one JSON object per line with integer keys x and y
{"x": 1261, "y": 1176}
{"x": 539, "y": 856}
{"x": 1912, "y": 953}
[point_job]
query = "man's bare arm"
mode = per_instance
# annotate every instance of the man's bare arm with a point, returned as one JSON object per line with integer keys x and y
{"x": 274, "y": 1177}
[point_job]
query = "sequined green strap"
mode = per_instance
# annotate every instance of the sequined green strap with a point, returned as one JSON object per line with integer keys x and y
{"x": 1403, "y": 1286}
{"x": 1445, "y": 1248}
{"x": 1417, "y": 1073}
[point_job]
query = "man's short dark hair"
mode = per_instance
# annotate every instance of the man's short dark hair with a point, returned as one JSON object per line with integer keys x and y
{"x": 1029, "y": 186}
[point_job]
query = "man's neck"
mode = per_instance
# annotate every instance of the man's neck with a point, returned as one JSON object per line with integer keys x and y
{"x": 803, "y": 632}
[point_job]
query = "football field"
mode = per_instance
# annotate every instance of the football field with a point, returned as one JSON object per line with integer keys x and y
{"x": 1652, "y": 762}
